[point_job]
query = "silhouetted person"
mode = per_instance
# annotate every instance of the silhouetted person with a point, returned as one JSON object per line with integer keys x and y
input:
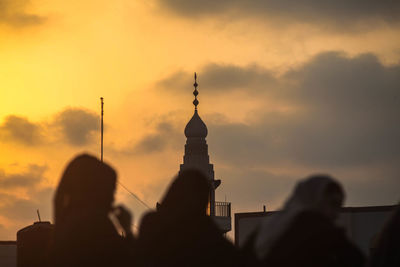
{"x": 303, "y": 234}
{"x": 180, "y": 233}
{"x": 84, "y": 234}
{"x": 386, "y": 253}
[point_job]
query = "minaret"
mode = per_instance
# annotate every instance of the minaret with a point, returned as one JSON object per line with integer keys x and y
{"x": 196, "y": 148}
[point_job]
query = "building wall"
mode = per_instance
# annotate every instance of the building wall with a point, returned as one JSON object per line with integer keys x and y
{"x": 8, "y": 254}
{"x": 362, "y": 224}
{"x": 362, "y": 227}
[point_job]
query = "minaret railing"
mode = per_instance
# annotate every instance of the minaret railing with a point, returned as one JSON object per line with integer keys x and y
{"x": 222, "y": 209}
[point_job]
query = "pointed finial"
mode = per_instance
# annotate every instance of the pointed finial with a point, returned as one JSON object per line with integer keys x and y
{"x": 195, "y": 92}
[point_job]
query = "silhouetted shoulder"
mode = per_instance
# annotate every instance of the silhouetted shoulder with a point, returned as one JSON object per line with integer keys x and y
{"x": 313, "y": 240}
{"x": 148, "y": 223}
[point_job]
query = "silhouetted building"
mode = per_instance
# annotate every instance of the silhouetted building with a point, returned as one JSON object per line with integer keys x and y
{"x": 34, "y": 244}
{"x": 196, "y": 156}
{"x": 362, "y": 224}
{"x": 8, "y": 253}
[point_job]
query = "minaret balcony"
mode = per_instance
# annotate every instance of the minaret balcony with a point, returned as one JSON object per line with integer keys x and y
{"x": 223, "y": 216}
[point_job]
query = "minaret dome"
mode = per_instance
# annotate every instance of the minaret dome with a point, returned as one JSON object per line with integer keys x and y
{"x": 196, "y": 128}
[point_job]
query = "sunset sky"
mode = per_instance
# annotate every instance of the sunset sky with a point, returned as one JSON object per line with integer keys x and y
{"x": 287, "y": 88}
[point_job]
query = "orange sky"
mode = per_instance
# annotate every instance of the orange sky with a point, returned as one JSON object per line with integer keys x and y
{"x": 57, "y": 56}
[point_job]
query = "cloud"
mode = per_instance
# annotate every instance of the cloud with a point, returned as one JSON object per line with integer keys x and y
{"x": 77, "y": 126}
{"x": 346, "y": 113}
{"x": 29, "y": 178}
{"x": 219, "y": 78}
{"x": 20, "y": 130}
{"x": 164, "y": 136}
{"x": 13, "y": 13}
{"x": 21, "y": 212}
{"x": 359, "y": 82}
{"x": 156, "y": 141}
{"x": 15, "y": 207}
{"x": 73, "y": 126}
{"x": 344, "y": 14}
{"x": 21, "y": 209}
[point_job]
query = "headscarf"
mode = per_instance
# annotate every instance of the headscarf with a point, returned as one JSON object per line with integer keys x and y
{"x": 188, "y": 194}
{"x": 86, "y": 184}
{"x": 316, "y": 193}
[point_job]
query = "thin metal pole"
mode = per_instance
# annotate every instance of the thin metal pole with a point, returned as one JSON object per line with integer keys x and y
{"x": 38, "y": 214}
{"x": 102, "y": 113}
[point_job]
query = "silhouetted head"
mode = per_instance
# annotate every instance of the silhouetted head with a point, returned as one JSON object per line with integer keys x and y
{"x": 320, "y": 193}
{"x": 188, "y": 194}
{"x": 87, "y": 184}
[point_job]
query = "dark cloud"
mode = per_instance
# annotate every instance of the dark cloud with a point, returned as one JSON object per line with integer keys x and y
{"x": 164, "y": 136}
{"x": 78, "y": 126}
{"x": 348, "y": 13}
{"x": 218, "y": 78}
{"x": 336, "y": 81}
{"x": 29, "y": 178}
{"x": 14, "y": 207}
{"x": 74, "y": 126}
{"x": 21, "y": 209}
{"x": 346, "y": 113}
{"x": 333, "y": 142}
{"x": 13, "y": 13}
{"x": 20, "y": 130}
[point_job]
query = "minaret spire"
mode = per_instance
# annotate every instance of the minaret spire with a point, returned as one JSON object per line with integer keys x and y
{"x": 195, "y": 92}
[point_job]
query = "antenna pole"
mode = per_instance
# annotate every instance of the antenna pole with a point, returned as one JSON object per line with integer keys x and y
{"x": 102, "y": 113}
{"x": 38, "y": 214}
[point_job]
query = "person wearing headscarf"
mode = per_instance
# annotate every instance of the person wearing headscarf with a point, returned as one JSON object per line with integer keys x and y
{"x": 180, "y": 233}
{"x": 387, "y": 251}
{"x": 304, "y": 233}
{"x": 84, "y": 234}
